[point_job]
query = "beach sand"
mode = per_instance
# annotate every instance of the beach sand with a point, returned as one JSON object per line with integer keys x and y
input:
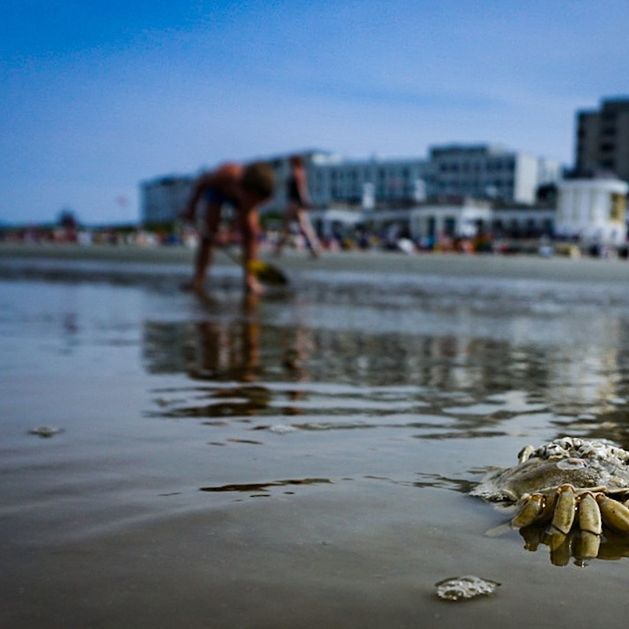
{"x": 301, "y": 460}
{"x": 527, "y": 267}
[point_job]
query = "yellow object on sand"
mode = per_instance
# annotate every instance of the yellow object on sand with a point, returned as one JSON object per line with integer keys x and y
{"x": 268, "y": 273}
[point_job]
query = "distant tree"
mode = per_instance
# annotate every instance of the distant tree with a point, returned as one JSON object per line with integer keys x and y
{"x": 67, "y": 219}
{"x": 69, "y": 226}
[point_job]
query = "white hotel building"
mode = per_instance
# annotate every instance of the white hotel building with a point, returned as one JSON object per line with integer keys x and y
{"x": 366, "y": 183}
{"x": 488, "y": 172}
{"x": 482, "y": 171}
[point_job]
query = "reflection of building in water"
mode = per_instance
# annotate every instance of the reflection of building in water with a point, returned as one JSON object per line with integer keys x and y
{"x": 570, "y": 379}
{"x": 228, "y": 351}
{"x": 585, "y": 378}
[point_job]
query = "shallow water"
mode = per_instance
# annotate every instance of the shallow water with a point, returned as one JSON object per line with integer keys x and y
{"x": 299, "y": 460}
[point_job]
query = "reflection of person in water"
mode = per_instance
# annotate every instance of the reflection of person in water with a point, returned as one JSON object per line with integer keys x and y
{"x": 295, "y": 359}
{"x": 245, "y": 188}
{"x": 296, "y": 356}
{"x": 250, "y": 351}
{"x": 233, "y": 352}
{"x": 297, "y": 209}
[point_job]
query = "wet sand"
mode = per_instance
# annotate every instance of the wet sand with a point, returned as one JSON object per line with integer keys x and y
{"x": 300, "y": 460}
{"x": 450, "y": 265}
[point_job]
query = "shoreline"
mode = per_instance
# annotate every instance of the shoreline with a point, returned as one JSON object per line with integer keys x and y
{"x": 355, "y": 262}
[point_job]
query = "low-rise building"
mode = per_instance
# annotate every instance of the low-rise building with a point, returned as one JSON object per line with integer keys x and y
{"x": 523, "y": 222}
{"x": 162, "y": 199}
{"x": 488, "y": 172}
{"x": 331, "y": 221}
{"x": 367, "y": 183}
{"x": 461, "y": 220}
{"x": 481, "y": 171}
{"x": 592, "y": 210}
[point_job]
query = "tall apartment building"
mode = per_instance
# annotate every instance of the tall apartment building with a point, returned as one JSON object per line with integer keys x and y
{"x": 487, "y": 171}
{"x": 602, "y": 139}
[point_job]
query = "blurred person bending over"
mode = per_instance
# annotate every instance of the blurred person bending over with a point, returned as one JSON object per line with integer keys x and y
{"x": 243, "y": 187}
{"x": 297, "y": 209}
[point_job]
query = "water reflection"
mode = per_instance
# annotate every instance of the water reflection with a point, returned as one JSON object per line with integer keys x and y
{"x": 250, "y": 367}
{"x": 248, "y": 373}
{"x": 208, "y": 349}
{"x": 563, "y": 548}
{"x": 217, "y": 351}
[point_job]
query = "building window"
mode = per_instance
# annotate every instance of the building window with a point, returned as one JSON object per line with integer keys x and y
{"x": 449, "y": 226}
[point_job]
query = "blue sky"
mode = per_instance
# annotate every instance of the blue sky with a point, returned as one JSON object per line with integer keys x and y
{"x": 98, "y": 98}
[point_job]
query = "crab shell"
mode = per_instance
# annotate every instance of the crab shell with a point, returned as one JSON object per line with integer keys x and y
{"x": 568, "y": 483}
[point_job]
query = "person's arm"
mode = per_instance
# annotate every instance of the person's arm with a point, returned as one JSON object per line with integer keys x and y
{"x": 250, "y": 229}
{"x": 302, "y": 186}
